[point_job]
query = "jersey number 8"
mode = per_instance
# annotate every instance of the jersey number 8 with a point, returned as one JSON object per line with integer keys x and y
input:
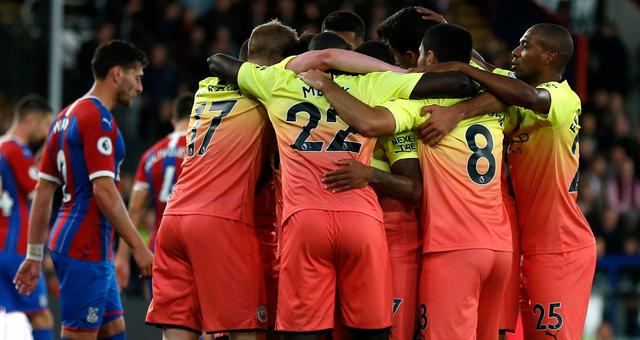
{"x": 479, "y": 153}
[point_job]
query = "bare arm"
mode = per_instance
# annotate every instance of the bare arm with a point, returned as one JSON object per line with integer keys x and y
{"x": 137, "y": 205}
{"x": 405, "y": 183}
{"x": 341, "y": 60}
{"x": 111, "y": 204}
{"x": 444, "y": 85}
{"x": 41, "y": 211}
{"x": 26, "y": 278}
{"x": 509, "y": 90}
{"x": 225, "y": 67}
{"x": 445, "y": 119}
{"x": 367, "y": 120}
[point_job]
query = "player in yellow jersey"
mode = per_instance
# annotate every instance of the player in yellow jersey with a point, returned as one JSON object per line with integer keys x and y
{"x": 212, "y": 206}
{"x": 544, "y": 168}
{"x": 330, "y": 241}
{"x": 467, "y": 238}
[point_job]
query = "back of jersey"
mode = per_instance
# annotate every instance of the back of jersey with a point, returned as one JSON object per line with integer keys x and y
{"x": 462, "y": 200}
{"x": 158, "y": 171}
{"x": 84, "y": 144}
{"x": 226, "y": 138}
{"x": 17, "y": 181}
{"x": 311, "y": 135}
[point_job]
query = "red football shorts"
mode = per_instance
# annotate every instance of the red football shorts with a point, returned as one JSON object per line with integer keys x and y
{"x": 327, "y": 250}
{"x": 461, "y": 292}
{"x": 558, "y": 288}
{"x": 207, "y": 276}
{"x": 511, "y": 300}
{"x": 267, "y": 233}
{"x": 403, "y": 238}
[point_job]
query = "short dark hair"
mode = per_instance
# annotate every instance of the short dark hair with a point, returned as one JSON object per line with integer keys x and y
{"x": 344, "y": 21}
{"x": 303, "y": 42}
{"x": 182, "y": 107}
{"x": 378, "y": 50}
{"x": 326, "y": 40}
{"x": 448, "y": 42}
{"x": 555, "y": 38}
{"x": 31, "y": 104}
{"x": 404, "y": 29}
{"x": 116, "y": 53}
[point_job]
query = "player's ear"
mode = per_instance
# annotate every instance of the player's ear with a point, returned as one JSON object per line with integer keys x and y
{"x": 116, "y": 73}
{"x": 412, "y": 57}
{"x": 431, "y": 58}
{"x": 550, "y": 57}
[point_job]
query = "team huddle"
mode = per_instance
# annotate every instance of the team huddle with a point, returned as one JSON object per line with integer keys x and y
{"x": 318, "y": 186}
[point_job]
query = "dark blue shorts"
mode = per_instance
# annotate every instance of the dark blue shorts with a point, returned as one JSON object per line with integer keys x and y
{"x": 89, "y": 296}
{"x": 10, "y": 299}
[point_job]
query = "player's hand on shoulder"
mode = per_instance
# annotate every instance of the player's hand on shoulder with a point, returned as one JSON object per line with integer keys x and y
{"x": 440, "y": 123}
{"x": 315, "y": 78}
{"x": 430, "y": 15}
{"x": 26, "y": 278}
{"x": 352, "y": 175}
{"x": 144, "y": 260}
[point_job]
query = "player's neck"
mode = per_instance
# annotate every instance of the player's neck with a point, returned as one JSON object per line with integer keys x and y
{"x": 546, "y": 77}
{"x": 262, "y": 61}
{"x": 18, "y": 133}
{"x": 104, "y": 93}
{"x": 181, "y": 126}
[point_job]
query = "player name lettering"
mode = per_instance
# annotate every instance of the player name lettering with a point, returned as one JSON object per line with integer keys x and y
{"x": 308, "y": 90}
{"x": 162, "y": 154}
{"x": 61, "y": 125}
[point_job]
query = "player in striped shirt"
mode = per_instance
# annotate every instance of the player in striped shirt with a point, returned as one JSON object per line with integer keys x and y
{"x": 83, "y": 154}
{"x": 18, "y": 176}
{"x": 157, "y": 172}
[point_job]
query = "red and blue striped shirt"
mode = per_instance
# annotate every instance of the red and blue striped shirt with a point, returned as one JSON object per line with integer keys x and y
{"x": 84, "y": 144}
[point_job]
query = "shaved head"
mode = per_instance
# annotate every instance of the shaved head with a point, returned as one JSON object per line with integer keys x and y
{"x": 555, "y": 39}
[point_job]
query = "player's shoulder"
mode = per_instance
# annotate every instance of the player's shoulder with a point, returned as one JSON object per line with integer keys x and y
{"x": 90, "y": 110}
{"x": 563, "y": 89}
{"x": 10, "y": 147}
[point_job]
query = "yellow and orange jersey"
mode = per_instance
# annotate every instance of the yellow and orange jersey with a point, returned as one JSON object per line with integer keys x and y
{"x": 226, "y": 141}
{"x": 543, "y": 160}
{"x": 311, "y": 136}
{"x": 400, "y": 219}
{"x": 462, "y": 195}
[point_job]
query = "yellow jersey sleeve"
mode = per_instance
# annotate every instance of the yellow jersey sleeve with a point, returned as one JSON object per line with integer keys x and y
{"x": 400, "y": 146}
{"x": 503, "y": 72}
{"x": 406, "y": 113}
{"x": 564, "y": 103}
{"x": 259, "y": 81}
{"x": 377, "y": 87}
{"x": 284, "y": 62}
{"x": 512, "y": 119}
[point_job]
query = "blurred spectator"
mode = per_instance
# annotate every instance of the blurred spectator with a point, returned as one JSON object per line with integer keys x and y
{"x": 623, "y": 192}
{"x": 609, "y": 60}
{"x": 104, "y": 32}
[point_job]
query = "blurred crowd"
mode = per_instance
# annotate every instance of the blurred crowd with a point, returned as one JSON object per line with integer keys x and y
{"x": 178, "y": 36}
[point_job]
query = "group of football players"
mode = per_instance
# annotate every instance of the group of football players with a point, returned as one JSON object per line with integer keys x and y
{"x": 317, "y": 187}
